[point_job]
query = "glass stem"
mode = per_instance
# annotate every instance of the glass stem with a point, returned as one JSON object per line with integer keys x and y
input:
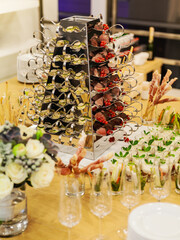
{"x": 100, "y": 227}
{"x": 69, "y": 233}
{"x": 129, "y": 210}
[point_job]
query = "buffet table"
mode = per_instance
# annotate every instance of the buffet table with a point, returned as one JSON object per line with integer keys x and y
{"x": 43, "y": 207}
{"x": 43, "y": 203}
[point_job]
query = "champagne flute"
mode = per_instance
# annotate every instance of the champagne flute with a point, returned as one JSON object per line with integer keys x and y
{"x": 160, "y": 184}
{"x": 131, "y": 190}
{"x": 100, "y": 197}
{"x": 177, "y": 178}
{"x": 70, "y": 205}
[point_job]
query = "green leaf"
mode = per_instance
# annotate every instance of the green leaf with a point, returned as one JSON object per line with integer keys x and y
{"x": 176, "y": 148}
{"x": 152, "y": 155}
{"x": 155, "y": 138}
{"x": 121, "y": 154}
{"x": 167, "y": 143}
{"x": 148, "y": 162}
{"x": 147, "y": 149}
{"x": 171, "y": 155}
{"x": 173, "y": 138}
{"x": 1, "y": 222}
{"x": 113, "y": 161}
{"x": 150, "y": 141}
{"x": 160, "y": 149}
{"x": 146, "y": 133}
{"x": 117, "y": 155}
{"x": 138, "y": 156}
{"x": 162, "y": 161}
{"x": 134, "y": 143}
{"x": 127, "y": 148}
{"x": 126, "y": 154}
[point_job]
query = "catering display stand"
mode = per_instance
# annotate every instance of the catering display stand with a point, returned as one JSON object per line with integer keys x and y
{"x": 84, "y": 86}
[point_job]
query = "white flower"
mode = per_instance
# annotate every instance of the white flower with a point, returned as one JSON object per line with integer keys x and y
{"x": 16, "y": 172}
{"x": 43, "y": 177}
{"x": 49, "y": 160}
{"x": 6, "y": 185}
{"x": 26, "y": 132}
{"x": 34, "y": 148}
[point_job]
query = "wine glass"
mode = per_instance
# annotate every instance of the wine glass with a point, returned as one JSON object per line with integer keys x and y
{"x": 160, "y": 184}
{"x": 100, "y": 197}
{"x": 131, "y": 190}
{"x": 70, "y": 205}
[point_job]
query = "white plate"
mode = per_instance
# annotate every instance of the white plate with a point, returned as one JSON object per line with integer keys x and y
{"x": 154, "y": 221}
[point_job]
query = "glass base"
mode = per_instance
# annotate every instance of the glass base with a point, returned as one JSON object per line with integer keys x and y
{"x": 177, "y": 191}
{"x": 13, "y": 214}
{"x": 116, "y": 193}
{"x": 99, "y": 237}
{"x": 142, "y": 192}
{"x": 10, "y": 230}
{"x": 122, "y": 233}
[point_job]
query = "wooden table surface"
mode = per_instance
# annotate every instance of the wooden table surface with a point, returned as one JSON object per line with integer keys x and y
{"x": 43, "y": 206}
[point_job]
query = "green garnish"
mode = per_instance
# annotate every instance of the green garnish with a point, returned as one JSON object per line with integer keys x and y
{"x": 146, "y": 149}
{"x": 134, "y": 142}
{"x": 176, "y": 148}
{"x": 113, "y": 161}
{"x": 170, "y": 155}
{"x": 167, "y": 143}
{"x": 160, "y": 149}
{"x": 127, "y": 148}
{"x": 152, "y": 155}
{"x": 150, "y": 141}
{"x": 146, "y": 133}
{"x": 148, "y": 162}
{"x": 162, "y": 161}
{"x": 138, "y": 156}
{"x": 121, "y": 154}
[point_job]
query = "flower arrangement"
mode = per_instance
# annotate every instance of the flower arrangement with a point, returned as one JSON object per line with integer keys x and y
{"x": 26, "y": 156}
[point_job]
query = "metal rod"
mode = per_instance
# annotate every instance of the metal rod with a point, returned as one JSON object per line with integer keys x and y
{"x": 114, "y": 11}
{"x": 40, "y": 16}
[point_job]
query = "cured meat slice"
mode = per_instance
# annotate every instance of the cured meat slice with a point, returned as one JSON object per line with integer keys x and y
{"x": 99, "y": 102}
{"x": 104, "y": 38}
{"x": 99, "y": 26}
{"x": 108, "y": 96}
{"x": 115, "y": 91}
{"x": 95, "y": 40}
{"x": 98, "y": 86}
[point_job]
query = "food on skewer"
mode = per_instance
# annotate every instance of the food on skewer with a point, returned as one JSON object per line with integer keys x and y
{"x": 73, "y": 166}
{"x": 156, "y": 91}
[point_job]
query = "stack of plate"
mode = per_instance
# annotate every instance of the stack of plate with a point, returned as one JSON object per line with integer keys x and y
{"x": 154, "y": 221}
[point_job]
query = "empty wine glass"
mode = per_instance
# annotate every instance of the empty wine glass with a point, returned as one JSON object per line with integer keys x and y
{"x": 100, "y": 198}
{"x": 70, "y": 205}
{"x": 160, "y": 184}
{"x": 131, "y": 190}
